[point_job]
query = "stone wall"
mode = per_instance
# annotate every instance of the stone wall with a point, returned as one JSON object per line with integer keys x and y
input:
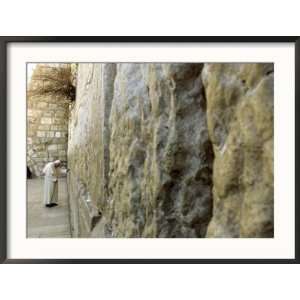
{"x": 240, "y": 123}
{"x": 172, "y": 150}
{"x": 88, "y": 151}
{"x": 160, "y": 155}
{"x": 47, "y": 127}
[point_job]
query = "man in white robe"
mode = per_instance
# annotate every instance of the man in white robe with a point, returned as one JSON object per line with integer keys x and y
{"x": 52, "y": 170}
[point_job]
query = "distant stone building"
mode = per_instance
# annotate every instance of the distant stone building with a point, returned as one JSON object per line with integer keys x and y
{"x": 47, "y": 121}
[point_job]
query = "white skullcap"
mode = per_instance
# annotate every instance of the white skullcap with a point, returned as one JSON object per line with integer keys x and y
{"x": 57, "y": 162}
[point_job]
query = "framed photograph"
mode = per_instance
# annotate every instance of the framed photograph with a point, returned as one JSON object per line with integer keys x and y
{"x": 149, "y": 149}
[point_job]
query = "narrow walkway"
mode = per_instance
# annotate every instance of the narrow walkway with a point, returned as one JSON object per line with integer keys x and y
{"x": 44, "y": 222}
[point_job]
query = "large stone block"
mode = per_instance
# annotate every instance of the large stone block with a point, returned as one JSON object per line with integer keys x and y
{"x": 240, "y": 123}
{"x": 41, "y": 133}
{"x": 43, "y": 127}
{"x": 86, "y": 146}
{"x": 42, "y": 105}
{"x": 52, "y": 147}
{"x": 46, "y": 121}
{"x": 50, "y": 134}
{"x": 138, "y": 145}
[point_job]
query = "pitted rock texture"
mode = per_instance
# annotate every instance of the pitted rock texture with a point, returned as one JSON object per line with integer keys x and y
{"x": 160, "y": 155}
{"x": 172, "y": 150}
{"x": 140, "y": 154}
{"x": 88, "y": 151}
{"x": 240, "y": 124}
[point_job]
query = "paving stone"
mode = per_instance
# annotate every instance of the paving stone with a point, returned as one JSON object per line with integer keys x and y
{"x": 44, "y": 222}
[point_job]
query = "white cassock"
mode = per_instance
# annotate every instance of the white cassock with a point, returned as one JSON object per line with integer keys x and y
{"x": 51, "y": 183}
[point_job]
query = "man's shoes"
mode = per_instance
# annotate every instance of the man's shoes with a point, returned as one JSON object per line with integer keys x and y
{"x": 51, "y": 205}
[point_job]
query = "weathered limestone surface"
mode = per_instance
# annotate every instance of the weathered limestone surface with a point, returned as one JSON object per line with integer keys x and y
{"x": 172, "y": 150}
{"x": 160, "y": 163}
{"x": 88, "y": 152}
{"x": 155, "y": 147}
{"x": 47, "y": 126}
{"x": 240, "y": 123}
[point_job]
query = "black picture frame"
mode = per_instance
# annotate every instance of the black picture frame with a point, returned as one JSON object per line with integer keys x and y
{"x": 5, "y": 41}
